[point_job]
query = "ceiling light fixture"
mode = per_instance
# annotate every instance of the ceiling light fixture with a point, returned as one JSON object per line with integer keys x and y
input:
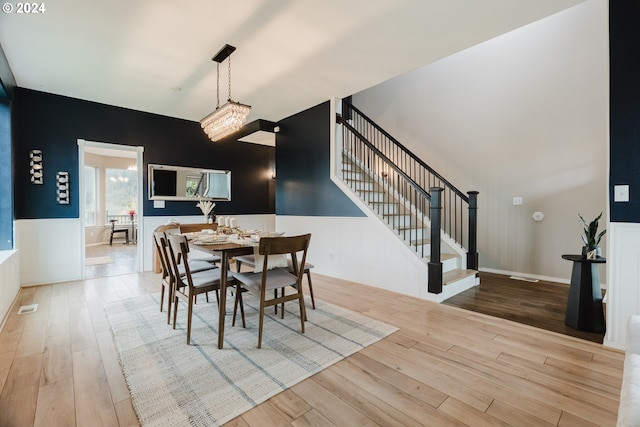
{"x": 231, "y": 116}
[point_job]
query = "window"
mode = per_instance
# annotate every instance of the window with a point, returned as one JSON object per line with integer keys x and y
{"x": 90, "y": 195}
{"x": 121, "y": 191}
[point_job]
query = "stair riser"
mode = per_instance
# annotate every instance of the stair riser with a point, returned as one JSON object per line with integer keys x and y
{"x": 399, "y": 220}
{"x": 385, "y": 210}
{"x": 413, "y": 234}
{"x": 372, "y": 196}
{"x": 450, "y": 264}
{"x": 350, "y": 176}
{"x": 423, "y": 250}
{"x": 357, "y": 185}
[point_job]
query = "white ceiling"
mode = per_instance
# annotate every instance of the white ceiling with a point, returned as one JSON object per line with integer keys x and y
{"x": 155, "y": 55}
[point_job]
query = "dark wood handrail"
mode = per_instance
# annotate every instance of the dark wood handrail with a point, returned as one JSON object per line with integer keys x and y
{"x": 414, "y": 176}
{"x": 407, "y": 151}
{"x": 383, "y": 156}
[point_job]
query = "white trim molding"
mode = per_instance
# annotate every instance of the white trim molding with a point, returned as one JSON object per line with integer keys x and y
{"x": 623, "y": 294}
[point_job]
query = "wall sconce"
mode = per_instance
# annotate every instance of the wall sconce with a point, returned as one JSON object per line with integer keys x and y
{"x": 36, "y": 166}
{"x": 62, "y": 187}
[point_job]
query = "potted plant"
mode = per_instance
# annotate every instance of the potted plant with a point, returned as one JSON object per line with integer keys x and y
{"x": 591, "y": 237}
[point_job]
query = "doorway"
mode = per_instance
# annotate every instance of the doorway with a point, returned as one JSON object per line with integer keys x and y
{"x": 110, "y": 200}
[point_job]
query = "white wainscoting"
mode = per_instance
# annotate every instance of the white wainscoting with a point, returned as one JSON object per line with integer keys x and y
{"x": 265, "y": 222}
{"x": 623, "y": 293}
{"x": 50, "y": 250}
{"x": 359, "y": 249}
{"x": 9, "y": 281}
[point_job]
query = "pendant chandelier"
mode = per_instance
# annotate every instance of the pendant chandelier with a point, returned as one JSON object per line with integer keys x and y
{"x": 231, "y": 116}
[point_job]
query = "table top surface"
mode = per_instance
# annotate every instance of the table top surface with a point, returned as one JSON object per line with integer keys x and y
{"x": 582, "y": 258}
{"x": 236, "y": 248}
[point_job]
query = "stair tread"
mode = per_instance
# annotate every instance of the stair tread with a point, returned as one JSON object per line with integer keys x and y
{"x": 443, "y": 257}
{"x": 421, "y": 242}
{"x": 410, "y": 227}
{"x": 455, "y": 275}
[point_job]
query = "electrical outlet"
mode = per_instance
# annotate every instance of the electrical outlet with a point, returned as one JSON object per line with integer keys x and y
{"x": 517, "y": 201}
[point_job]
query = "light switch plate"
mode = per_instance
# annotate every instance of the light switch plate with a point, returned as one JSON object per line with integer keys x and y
{"x": 620, "y": 193}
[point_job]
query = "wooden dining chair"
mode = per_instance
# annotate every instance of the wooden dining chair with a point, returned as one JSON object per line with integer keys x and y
{"x": 249, "y": 260}
{"x": 168, "y": 277}
{"x": 195, "y": 254}
{"x": 279, "y": 278}
{"x": 191, "y": 284}
{"x": 115, "y": 230}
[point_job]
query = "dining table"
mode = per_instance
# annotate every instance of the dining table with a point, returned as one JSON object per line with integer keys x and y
{"x": 225, "y": 250}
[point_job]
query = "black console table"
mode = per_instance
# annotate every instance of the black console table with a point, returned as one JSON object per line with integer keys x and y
{"x": 584, "y": 305}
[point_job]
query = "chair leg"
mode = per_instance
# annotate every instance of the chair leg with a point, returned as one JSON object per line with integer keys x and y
{"x": 303, "y": 311}
{"x": 239, "y": 293}
{"x": 175, "y": 310}
{"x": 313, "y": 301}
{"x": 169, "y": 302}
{"x": 261, "y": 323}
{"x": 162, "y": 297}
{"x": 190, "y": 313}
{"x": 238, "y": 300}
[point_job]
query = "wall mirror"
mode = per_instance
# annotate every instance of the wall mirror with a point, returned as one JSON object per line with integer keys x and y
{"x": 184, "y": 183}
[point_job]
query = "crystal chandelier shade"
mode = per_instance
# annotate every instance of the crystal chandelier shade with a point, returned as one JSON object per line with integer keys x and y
{"x": 231, "y": 116}
{"x": 225, "y": 120}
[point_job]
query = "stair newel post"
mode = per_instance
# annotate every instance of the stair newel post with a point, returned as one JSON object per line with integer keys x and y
{"x": 472, "y": 255}
{"x": 435, "y": 264}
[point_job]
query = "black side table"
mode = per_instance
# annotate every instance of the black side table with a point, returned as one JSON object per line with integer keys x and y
{"x": 584, "y": 305}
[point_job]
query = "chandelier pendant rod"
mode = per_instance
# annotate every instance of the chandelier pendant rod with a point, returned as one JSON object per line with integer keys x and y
{"x": 230, "y": 117}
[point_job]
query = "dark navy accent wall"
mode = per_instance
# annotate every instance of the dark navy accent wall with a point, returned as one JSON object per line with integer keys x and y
{"x": 6, "y": 178}
{"x": 54, "y": 123}
{"x": 303, "y": 184}
{"x": 624, "y": 37}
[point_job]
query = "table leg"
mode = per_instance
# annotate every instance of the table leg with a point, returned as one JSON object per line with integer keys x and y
{"x": 224, "y": 266}
{"x": 584, "y": 303}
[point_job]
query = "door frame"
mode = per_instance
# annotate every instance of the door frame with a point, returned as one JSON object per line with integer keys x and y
{"x": 82, "y": 144}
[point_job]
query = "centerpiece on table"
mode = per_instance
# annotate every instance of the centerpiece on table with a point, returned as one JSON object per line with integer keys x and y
{"x": 206, "y": 206}
{"x": 591, "y": 237}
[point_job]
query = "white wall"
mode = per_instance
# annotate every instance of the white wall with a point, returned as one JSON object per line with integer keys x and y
{"x": 359, "y": 249}
{"x": 524, "y": 114}
{"x": 623, "y": 293}
{"x": 50, "y": 250}
{"x": 9, "y": 281}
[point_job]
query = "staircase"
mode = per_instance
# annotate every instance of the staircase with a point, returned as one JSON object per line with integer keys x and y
{"x": 391, "y": 182}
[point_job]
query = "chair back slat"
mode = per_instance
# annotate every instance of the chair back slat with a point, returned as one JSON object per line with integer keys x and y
{"x": 284, "y": 245}
{"x": 291, "y": 245}
{"x": 161, "y": 246}
{"x": 178, "y": 252}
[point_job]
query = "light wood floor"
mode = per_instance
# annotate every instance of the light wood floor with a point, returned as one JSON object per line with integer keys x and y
{"x": 124, "y": 260}
{"x": 445, "y": 366}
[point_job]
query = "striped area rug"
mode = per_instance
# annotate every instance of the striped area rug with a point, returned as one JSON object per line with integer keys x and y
{"x": 173, "y": 384}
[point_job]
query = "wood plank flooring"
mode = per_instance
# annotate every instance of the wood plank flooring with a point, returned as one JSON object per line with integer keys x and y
{"x": 541, "y": 304}
{"x": 445, "y": 367}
